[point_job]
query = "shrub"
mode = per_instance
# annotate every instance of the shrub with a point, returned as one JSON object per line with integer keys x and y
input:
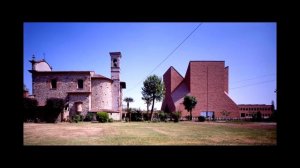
{"x": 77, "y": 118}
{"x": 110, "y": 120}
{"x": 102, "y": 117}
{"x": 89, "y": 117}
{"x": 162, "y": 116}
{"x": 30, "y": 109}
{"x": 201, "y": 118}
{"x": 256, "y": 116}
{"x": 176, "y": 116}
{"x": 136, "y": 115}
{"x": 54, "y": 107}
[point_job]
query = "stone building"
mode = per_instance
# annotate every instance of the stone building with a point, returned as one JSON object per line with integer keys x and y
{"x": 83, "y": 91}
{"x": 208, "y": 82}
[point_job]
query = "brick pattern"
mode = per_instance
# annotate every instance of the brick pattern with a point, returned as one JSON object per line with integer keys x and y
{"x": 249, "y": 109}
{"x": 208, "y": 82}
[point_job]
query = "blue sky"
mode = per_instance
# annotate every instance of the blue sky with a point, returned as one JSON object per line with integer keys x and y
{"x": 249, "y": 49}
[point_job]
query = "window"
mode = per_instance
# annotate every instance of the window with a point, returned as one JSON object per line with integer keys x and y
{"x": 242, "y": 114}
{"x": 80, "y": 84}
{"x": 53, "y": 84}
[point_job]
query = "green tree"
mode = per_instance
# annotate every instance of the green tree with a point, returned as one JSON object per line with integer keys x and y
{"x": 153, "y": 88}
{"x": 128, "y": 100}
{"x": 148, "y": 101}
{"x": 189, "y": 103}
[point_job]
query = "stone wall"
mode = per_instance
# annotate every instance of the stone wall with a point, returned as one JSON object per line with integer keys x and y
{"x": 79, "y": 97}
{"x": 66, "y": 82}
{"x": 101, "y": 94}
{"x": 116, "y": 102}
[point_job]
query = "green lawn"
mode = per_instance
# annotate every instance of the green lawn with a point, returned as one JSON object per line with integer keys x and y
{"x": 144, "y": 133}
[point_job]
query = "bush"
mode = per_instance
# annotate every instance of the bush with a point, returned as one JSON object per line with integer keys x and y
{"x": 54, "y": 107}
{"x": 110, "y": 120}
{"x": 162, "y": 116}
{"x": 201, "y": 118}
{"x": 77, "y": 118}
{"x": 256, "y": 116}
{"x": 176, "y": 116}
{"x": 102, "y": 117}
{"x": 30, "y": 109}
{"x": 89, "y": 117}
{"x": 136, "y": 116}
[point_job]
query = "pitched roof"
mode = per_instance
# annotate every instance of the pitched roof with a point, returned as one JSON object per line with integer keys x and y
{"x": 98, "y": 76}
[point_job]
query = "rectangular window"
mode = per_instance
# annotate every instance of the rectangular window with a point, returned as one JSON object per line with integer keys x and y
{"x": 242, "y": 114}
{"x": 53, "y": 84}
{"x": 80, "y": 84}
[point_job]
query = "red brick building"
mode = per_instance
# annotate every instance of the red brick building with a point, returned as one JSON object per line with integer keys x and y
{"x": 208, "y": 82}
{"x": 247, "y": 110}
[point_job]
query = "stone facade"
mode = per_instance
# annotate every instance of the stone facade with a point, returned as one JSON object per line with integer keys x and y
{"x": 101, "y": 94}
{"x": 83, "y": 98}
{"x": 66, "y": 82}
{"x": 83, "y": 91}
{"x": 205, "y": 80}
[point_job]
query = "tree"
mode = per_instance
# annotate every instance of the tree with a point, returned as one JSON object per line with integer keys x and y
{"x": 128, "y": 100}
{"x": 54, "y": 107}
{"x": 189, "y": 103}
{"x": 30, "y": 109}
{"x": 153, "y": 88}
{"x": 148, "y": 101}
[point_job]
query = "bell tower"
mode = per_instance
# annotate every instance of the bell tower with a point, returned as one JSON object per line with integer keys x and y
{"x": 115, "y": 65}
{"x": 115, "y": 76}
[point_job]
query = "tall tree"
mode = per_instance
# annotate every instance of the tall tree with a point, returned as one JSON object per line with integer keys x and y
{"x": 153, "y": 88}
{"x": 189, "y": 103}
{"x": 148, "y": 101}
{"x": 128, "y": 100}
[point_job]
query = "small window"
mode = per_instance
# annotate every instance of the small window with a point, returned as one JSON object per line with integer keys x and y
{"x": 80, "y": 84}
{"x": 53, "y": 84}
{"x": 242, "y": 114}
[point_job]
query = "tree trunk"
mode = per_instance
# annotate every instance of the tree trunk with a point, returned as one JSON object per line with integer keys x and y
{"x": 191, "y": 117}
{"x": 127, "y": 111}
{"x": 147, "y": 111}
{"x": 151, "y": 115}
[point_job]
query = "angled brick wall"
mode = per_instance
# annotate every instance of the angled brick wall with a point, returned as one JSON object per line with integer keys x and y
{"x": 208, "y": 82}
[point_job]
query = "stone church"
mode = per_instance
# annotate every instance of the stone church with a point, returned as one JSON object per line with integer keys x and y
{"x": 84, "y": 91}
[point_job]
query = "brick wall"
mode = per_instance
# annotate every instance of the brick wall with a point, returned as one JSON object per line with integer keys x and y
{"x": 249, "y": 109}
{"x": 208, "y": 82}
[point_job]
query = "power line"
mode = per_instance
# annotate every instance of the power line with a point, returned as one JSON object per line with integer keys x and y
{"x": 254, "y": 84}
{"x": 168, "y": 55}
{"x": 254, "y": 78}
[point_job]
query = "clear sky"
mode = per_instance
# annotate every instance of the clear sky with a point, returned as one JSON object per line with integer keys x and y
{"x": 249, "y": 49}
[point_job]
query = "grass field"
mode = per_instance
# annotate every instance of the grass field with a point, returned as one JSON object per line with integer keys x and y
{"x": 144, "y": 133}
